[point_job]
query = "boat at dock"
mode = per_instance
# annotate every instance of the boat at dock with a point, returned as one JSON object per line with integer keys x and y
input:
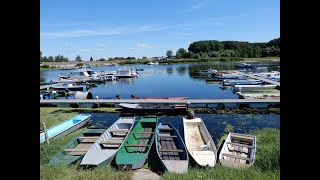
{"x": 77, "y": 147}
{"x": 254, "y": 87}
{"x": 171, "y": 149}
{"x": 106, "y": 147}
{"x": 238, "y": 150}
{"x": 209, "y": 71}
{"x": 66, "y": 127}
{"x": 199, "y": 142}
{"x": 244, "y": 65}
{"x": 126, "y": 73}
{"x": 241, "y": 82}
{"x": 79, "y": 74}
{"x": 69, "y": 86}
{"x": 153, "y": 107}
{"x": 165, "y": 98}
{"x": 135, "y": 149}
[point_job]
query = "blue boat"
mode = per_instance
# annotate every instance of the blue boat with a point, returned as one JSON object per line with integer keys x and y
{"x": 65, "y": 127}
{"x": 244, "y": 65}
{"x": 171, "y": 149}
{"x": 241, "y": 82}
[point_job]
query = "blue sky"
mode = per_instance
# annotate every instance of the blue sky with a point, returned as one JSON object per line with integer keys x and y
{"x": 122, "y": 28}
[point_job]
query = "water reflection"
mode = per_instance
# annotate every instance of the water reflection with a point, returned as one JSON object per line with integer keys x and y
{"x": 169, "y": 70}
{"x": 181, "y": 70}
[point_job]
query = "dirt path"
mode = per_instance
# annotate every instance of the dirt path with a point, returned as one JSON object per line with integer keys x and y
{"x": 145, "y": 174}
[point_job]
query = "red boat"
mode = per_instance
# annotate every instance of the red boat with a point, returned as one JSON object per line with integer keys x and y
{"x": 168, "y": 98}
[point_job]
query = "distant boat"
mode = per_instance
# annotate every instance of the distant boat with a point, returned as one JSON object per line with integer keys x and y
{"x": 77, "y": 147}
{"x": 135, "y": 149}
{"x": 244, "y": 65}
{"x": 171, "y": 149}
{"x": 241, "y": 82}
{"x": 161, "y": 107}
{"x": 209, "y": 71}
{"x": 126, "y": 73}
{"x": 69, "y": 86}
{"x": 199, "y": 142}
{"x": 106, "y": 147}
{"x": 153, "y": 63}
{"x": 238, "y": 150}
{"x": 168, "y": 98}
{"x": 254, "y": 87}
{"x": 66, "y": 127}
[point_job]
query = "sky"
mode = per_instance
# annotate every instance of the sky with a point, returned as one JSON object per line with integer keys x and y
{"x": 138, "y": 28}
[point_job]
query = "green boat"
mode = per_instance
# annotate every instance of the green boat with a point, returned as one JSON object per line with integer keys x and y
{"x": 134, "y": 151}
{"x": 77, "y": 147}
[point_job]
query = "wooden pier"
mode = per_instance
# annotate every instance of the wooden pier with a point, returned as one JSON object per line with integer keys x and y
{"x": 260, "y": 78}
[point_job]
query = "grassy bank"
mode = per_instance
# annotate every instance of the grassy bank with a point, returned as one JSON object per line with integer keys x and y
{"x": 267, "y": 163}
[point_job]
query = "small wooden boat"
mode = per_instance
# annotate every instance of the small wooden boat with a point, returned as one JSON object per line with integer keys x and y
{"x": 171, "y": 149}
{"x": 254, "y": 87}
{"x": 106, "y": 147}
{"x": 161, "y": 107}
{"x": 198, "y": 141}
{"x": 134, "y": 151}
{"x": 238, "y": 150}
{"x": 66, "y": 127}
{"x": 167, "y": 98}
{"x": 76, "y": 148}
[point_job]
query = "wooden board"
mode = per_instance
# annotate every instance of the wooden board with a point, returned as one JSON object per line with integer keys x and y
{"x": 236, "y": 157}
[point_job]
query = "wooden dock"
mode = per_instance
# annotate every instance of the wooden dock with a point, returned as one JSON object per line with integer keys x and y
{"x": 260, "y": 78}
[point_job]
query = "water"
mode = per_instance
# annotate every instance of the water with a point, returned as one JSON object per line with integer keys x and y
{"x": 164, "y": 81}
{"x": 217, "y": 124}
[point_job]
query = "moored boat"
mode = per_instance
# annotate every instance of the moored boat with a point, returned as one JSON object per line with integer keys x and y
{"x": 254, "y": 87}
{"x": 199, "y": 142}
{"x": 168, "y": 98}
{"x": 244, "y": 65}
{"x": 135, "y": 149}
{"x": 154, "y": 107}
{"x": 69, "y": 86}
{"x": 238, "y": 150}
{"x": 171, "y": 149}
{"x": 66, "y": 127}
{"x": 76, "y": 148}
{"x": 106, "y": 147}
{"x": 241, "y": 82}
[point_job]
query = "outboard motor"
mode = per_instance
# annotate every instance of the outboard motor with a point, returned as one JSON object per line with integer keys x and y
{"x": 191, "y": 115}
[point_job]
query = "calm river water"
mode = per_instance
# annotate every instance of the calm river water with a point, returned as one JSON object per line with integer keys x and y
{"x": 164, "y": 81}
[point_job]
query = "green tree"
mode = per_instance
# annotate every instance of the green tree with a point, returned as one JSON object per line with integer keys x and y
{"x": 169, "y": 54}
{"x": 181, "y": 53}
{"x": 91, "y": 59}
{"x": 102, "y": 59}
{"x": 78, "y": 58}
{"x": 50, "y": 59}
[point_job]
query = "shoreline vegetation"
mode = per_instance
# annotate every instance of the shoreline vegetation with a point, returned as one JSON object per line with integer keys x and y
{"x": 57, "y": 65}
{"x": 267, "y": 163}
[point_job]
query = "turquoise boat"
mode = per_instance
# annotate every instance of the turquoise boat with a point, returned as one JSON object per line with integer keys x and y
{"x": 77, "y": 147}
{"x": 65, "y": 127}
{"x": 134, "y": 151}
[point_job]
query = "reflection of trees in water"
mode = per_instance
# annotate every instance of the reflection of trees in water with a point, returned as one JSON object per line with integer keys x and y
{"x": 42, "y": 77}
{"x": 181, "y": 70}
{"x": 126, "y": 81}
{"x": 169, "y": 70}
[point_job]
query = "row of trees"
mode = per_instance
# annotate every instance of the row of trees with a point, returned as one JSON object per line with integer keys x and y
{"x": 214, "y": 48}
{"x": 59, "y": 58}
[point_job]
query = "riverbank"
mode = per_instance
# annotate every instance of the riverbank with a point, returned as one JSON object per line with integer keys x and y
{"x": 57, "y": 65}
{"x": 267, "y": 163}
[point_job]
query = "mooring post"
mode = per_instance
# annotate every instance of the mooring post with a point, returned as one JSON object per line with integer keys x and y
{"x": 45, "y": 132}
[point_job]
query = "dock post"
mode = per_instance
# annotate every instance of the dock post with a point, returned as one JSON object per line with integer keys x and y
{"x": 45, "y": 133}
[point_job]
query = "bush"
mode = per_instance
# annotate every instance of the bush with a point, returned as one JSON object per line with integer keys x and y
{"x": 46, "y": 66}
{"x": 79, "y": 64}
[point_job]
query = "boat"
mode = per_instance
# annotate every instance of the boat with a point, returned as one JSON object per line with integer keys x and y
{"x": 171, "y": 149}
{"x": 69, "y": 86}
{"x": 167, "y": 98}
{"x": 241, "y": 82}
{"x": 152, "y": 63}
{"x": 254, "y": 87}
{"x": 66, "y": 127}
{"x": 153, "y": 107}
{"x": 262, "y": 94}
{"x": 126, "y": 73}
{"x": 243, "y": 65}
{"x": 79, "y": 74}
{"x": 135, "y": 149}
{"x": 238, "y": 150}
{"x": 77, "y": 147}
{"x": 229, "y": 77}
{"x": 106, "y": 147}
{"x": 199, "y": 142}
{"x": 110, "y": 77}
{"x": 209, "y": 71}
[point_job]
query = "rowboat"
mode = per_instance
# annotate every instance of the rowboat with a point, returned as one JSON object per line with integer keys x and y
{"x": 161, "y": 107}
{"x": 134, "y": 151}
{"x": 106, "y": 147}
{"x": 167, "y": 98}
{"x": 66, "y": 127}
{"x": 76, "y": 148}
{"x": 238, "y": 150}
{"x": 171, "y": 149}
{"x": 199, "y": 142}
{"x": 254, "y": 87}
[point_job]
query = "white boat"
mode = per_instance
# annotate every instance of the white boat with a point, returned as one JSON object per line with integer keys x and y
{"x": 244, "y": 65}
{"x": 233, "y": 82}
{"x": 268, "y": 74}
{"x": 80, "y": 73}
{"x": 198, "y": 142}
{"x": 153, "y": 63}
{"x": 106, "y": 147}
{"x": 110, "y": 77}
{"x": 238, "y": 150}
{"x": 254, "y": 87}
{"x": 69, "y": 86}
{"x": 209, "y": 71}
{"x": 126, "y": 73}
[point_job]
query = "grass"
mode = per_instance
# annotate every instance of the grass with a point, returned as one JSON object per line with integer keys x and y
{"x": 266, "y": 166}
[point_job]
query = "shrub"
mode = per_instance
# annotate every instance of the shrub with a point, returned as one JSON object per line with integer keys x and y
{"x": 46, "y": 66}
